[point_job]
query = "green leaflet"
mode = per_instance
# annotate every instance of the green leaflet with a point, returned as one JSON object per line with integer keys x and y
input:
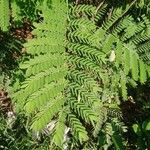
{"x": 143, "y": 73}
{"x": 134, "y": 65}
{"x": 5, "y": 15}
{"x": 129, "y": 32}
{"x": 148, "y": 70}
{"x": 123, "y": 86}
{"x": 97, "y": 38}
{"x": 144, "y": 47}
{"x": 119, "y": 52}
{"x": 126, "y": 63}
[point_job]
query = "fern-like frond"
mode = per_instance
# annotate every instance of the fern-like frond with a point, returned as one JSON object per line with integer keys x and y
{"x": 114, "y": 18}
{"x": 100, "y": 12}
{"x": 47, "y": 113}
{"x": 83, "y": 79}
{"x": 85, "y": 64}
{"x": 42, "y": 63}
{"x": 84, "y": 9}
{"x": 77, "y": 128}
{"x": 81, "y": 24}
{"x": 83, "y": 111}
{"x": 143, "y": 48}
{"x": 59, "y": 133}
{"x": 102, "y": 116}
{"x": 123, "y": 24}
{"x": 141, "y": 38}
{"x": 86, "y": 51}
{"x": 83, "y": 94}
{"x": 42, "y": 92}
{"x": 41, "y": 97}
{"x": 16, "y": 10}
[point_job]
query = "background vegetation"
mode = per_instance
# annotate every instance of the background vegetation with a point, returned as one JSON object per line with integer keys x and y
{"x": 74, "y": 74}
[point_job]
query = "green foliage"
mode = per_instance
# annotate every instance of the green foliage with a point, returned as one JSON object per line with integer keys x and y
{"x": 78, "y": 72}
{"x": 141, "y": 130}
{"x": 91, "y": 74}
